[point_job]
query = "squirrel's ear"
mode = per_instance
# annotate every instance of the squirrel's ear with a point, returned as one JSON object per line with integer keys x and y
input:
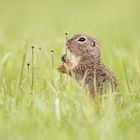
{"x": 93, "y": 40}
{"x": 93, "y": 43}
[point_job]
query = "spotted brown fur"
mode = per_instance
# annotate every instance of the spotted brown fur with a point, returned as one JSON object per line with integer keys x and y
{"x": 87, "y": 65}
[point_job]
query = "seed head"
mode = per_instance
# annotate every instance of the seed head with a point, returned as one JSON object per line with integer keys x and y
{"x": 66, "y": 33}
{"x": 52, "y": 51}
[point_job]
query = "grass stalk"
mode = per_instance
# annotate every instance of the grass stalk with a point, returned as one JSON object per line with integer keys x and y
{"x": 37, "y": 66}
{"x": 32, "y": 86}
{"x": 66, "y": 51}
{"x": 126, "y": 76}
{"x": 23, "y": 63}
{"x": 28, "y": 71}
{"x": 52, "y": 61}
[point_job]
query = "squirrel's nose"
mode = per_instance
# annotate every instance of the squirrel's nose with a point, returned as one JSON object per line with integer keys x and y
{"x": 66, "y": 43}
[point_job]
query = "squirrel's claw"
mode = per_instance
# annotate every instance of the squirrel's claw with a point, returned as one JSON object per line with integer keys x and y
{"x": 62, "y": 69}
{"x": 64, "y": 58}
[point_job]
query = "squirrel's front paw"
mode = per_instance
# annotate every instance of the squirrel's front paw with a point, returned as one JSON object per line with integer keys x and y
{"x": 64, "y": 58}
{"x": 62, "y": 69}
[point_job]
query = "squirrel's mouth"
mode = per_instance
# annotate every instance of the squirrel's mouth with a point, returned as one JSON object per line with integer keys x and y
{"x": 72, "y": 52}
{"x": 69, "y": 49}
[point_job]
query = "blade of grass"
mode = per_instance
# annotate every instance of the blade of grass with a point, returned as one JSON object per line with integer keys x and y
{"x": 126, "y": 76}
{"x": 23, "y": 63}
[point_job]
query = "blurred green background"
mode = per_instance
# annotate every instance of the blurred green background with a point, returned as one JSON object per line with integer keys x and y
{"x": 114, "y": 23}
{"x": 44, "y": 19}
{"x": 42, "y": 23}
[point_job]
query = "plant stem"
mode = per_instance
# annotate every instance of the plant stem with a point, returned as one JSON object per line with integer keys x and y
{"x": 23, "y": 63}
{"x": 126, "y": 75}
{"x": 32, "y": 69}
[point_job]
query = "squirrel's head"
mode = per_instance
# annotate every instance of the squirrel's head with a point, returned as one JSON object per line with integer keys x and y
{"x": 83, "y": 45}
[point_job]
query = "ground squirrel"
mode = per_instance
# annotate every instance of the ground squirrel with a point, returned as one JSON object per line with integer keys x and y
{"x": 87, "y": 67}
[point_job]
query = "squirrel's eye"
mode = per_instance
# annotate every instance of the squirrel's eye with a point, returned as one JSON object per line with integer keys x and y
{"x": 82, "y": 39}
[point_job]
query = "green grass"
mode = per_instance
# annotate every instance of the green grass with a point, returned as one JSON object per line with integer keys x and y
{"x": 62, "y": 110}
